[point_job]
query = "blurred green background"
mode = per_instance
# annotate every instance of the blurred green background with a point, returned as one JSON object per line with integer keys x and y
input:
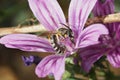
{"x": 15, "y": 12}
{"x": 12, "y": 13}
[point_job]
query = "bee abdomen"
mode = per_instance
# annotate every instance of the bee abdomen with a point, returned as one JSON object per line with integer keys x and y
{"x": 54, "y": 42}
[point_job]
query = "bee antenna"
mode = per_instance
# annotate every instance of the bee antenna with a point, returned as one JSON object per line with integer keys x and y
{"x": 64, "y": 25}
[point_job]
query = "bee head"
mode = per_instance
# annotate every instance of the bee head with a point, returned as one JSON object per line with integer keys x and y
{"x": 63, "y": 32}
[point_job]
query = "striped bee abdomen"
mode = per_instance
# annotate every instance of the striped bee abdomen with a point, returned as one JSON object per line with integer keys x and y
{"x": 54, "y": 42}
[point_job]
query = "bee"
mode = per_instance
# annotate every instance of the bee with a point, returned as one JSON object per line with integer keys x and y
{"x": 54, "y": 39}
{"x": 60, "y": 49}
{"x": 66, "y": 32}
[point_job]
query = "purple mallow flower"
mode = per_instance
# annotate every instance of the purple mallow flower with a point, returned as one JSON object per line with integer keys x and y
{"x": 102, "y": 8}
{"x": 50, "y": 14}
{"x": 109, "y": 44}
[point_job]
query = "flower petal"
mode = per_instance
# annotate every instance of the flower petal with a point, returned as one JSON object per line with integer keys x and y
{"x": 48, "y": 12}
{"x": 90, "y": 35}
{"x": 26, "y": 42}
{"x": 91, "y": 54}
{"x": 53, "y": 64}
{"x": 79, "y": 11}
{"x": 114, "y": 58}
{"x": 103, "y": 8}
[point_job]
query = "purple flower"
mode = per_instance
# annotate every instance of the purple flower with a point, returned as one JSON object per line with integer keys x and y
{"x": 112, "y": 43}
{"x": 109, "y": 44}
{"x": 104, "y": 7}
{"x": 31, "y": 59}
{"x": 50, "y": 14}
